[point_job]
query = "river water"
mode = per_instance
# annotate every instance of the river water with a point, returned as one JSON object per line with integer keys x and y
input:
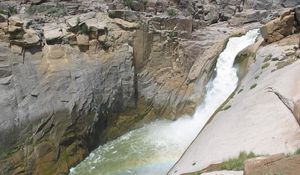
{"x": 153, "y": 149}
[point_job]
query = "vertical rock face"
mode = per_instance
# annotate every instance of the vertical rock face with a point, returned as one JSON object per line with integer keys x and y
{"x": 60, "y": 99}
{"x": 71, "y": 84}
{"x": 76, "y": 73}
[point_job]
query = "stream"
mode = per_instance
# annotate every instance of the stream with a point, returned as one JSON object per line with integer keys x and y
{"x": 154, "y": 148}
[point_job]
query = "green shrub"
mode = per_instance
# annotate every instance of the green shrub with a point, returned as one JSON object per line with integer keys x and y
{"x": 128, "y": 3}
{"x": 237, "y": 164}
{"x": 52, "y": 10}
{"x": 83, "y": 29}
{"x": 241, "y": 90}
{"x": 104, "y": 45}
{"x": 297, "y": 152}
{"x": 253, "y": 86}
{"x": 145, "y": 3}
{"x": 265, "y": 65}
{"x": 227, "y": 107}
{"x": 172, "y": 34}
{"x": 268, "y": 58}
{"x": 282, "y": 64}
{"x": 10, "y": 10}
{"x": 172, "y": 12}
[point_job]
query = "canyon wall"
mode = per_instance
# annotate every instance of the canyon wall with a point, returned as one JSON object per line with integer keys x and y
{"x": 75, "y": 74}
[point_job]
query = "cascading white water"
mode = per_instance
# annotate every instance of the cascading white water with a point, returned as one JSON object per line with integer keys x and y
{"x": 153, "y": 149}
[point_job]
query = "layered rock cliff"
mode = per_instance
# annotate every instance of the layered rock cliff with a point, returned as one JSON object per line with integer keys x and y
{"x": 75, "y": 74}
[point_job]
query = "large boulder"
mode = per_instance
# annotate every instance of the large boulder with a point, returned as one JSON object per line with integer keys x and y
{"x": 275, "y": 164}
{"x": 279, "y": 28}
{"x": 179, "y": 23}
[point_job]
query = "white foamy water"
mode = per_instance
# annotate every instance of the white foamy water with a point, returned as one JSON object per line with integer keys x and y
{"x": 153, "y": 149}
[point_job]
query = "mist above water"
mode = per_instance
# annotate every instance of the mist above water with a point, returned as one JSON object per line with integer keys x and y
{"x": 153, "y": 149}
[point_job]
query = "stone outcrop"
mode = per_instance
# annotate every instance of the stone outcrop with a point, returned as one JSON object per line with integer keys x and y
{"x": 281, "y": 27}
{"x": 275, "y": 164}
{"x": 75, "y": 74}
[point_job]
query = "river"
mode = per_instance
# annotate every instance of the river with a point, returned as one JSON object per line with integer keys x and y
{"x": 154, "y": 148}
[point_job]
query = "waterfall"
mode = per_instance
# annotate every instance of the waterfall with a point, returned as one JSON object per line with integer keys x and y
{"x": 153, "y": 149}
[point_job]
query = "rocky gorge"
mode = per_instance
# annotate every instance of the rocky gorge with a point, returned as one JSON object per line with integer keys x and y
{"x": 76, "y": 74}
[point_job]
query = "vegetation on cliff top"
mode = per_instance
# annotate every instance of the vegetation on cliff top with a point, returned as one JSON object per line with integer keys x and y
{"x": 236, "y": 164}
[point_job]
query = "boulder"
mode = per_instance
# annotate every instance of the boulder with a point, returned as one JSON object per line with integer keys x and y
{"x": 126, "y": 15}
{"x": 290, "y": 3}
{"x": 55, "y": 52}
{"x": 179, "y": 23}
{"x": 125, "y": 24}
{"x": 279, "y": 28}
{"x": 75, "y": 20}
{"x": 53, "y": 34}
{"x": 248, "y": 16}
{"x": 15, "y": 21}
{"x": 275, "y": 164}
{"x": 82, "y": 40}
{"x": 29, "y": 39}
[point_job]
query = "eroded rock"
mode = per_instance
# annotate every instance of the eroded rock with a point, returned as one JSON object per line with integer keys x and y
{"x": 279, "y": 28}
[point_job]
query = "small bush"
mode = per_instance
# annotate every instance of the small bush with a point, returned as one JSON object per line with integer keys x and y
{"x": 282, "y": 64}
{"x": 83, "y": 29}
{"x": 173, "y": 34}
{"x": 253, "y": 86}
{"x": 128, "y": 3}
{"x": 52, "y": 10}
{"x": 104, "y": 45}
{"x": 268, "y": 58}
{"x": 10, "y": 10}
{"x": 241, "y": 90}
{"x": 172, "y": 12}
{"x": 256, "y": 77}
{"x": 145, "y": 3}
{"x": 265, "y": 65}
{"x": 297, "y": 152}
{"x": 227, "y": 107}
{"x": 237, "y": 164}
